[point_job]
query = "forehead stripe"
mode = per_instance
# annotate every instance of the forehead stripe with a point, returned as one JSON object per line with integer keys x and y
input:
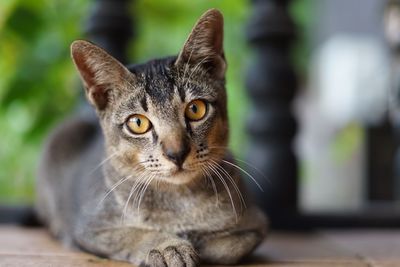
{"x": 188, "y": 127}
{"x": 182, "y": 93}
{"x": 155, "y": 136}
{"x": 143, "y": 102}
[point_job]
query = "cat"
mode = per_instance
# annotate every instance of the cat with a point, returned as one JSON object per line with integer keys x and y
{"x": 150, "y": 180}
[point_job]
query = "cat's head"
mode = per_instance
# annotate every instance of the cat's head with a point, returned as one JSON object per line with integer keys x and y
{"x": 166, "y": 118}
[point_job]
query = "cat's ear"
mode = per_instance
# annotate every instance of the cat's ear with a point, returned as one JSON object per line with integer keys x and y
{"x": 204, "y": 46}
{"x": 100, "y": 72}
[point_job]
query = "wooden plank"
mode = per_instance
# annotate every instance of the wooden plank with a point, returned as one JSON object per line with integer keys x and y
{"x": 62, "y": 261}
{"x": 29, "y": 241}
{"x": 376, "y": 247}
{"x": 56, "y": 261}
{"x": 303, "y": 247}
{"x": 35, "y": 247}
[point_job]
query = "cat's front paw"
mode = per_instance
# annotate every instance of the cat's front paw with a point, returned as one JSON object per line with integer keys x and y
{"x": 173, "y": 256}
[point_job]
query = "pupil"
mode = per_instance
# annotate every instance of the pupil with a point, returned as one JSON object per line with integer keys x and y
{"x": 138, "y": 122}
{"x": 194, "y": 108}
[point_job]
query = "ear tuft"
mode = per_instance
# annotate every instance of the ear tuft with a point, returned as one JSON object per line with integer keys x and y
{"x": 100, "y": 72}
{"x": 204, "y": 45}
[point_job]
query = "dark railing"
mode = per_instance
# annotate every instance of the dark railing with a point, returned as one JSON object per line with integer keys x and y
{"x": 111, "y": 26}
{"x": 394, "y": 44}
{"x": 272, "y": 84}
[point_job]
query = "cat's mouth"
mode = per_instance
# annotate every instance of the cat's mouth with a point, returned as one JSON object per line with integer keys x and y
{"x": 178, "y": 170}
{"x": 179, "y": 175}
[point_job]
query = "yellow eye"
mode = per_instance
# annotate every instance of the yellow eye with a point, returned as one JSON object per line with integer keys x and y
{"x": 196, "y": 110}
{"x": 138, "y": 124}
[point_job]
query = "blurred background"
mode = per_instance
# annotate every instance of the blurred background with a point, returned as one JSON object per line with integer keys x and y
{"x": 39, "y": 85}
{"x": 346, "y": 56}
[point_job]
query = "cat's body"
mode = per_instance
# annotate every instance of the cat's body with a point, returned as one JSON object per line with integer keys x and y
{"x": 158, "y": 187}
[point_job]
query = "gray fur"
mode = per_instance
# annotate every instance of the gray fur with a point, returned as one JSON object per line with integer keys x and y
{"x": 156, "y": 214}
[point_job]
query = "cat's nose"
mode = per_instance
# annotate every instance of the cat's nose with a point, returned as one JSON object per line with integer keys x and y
{"x": 176, "y": 151}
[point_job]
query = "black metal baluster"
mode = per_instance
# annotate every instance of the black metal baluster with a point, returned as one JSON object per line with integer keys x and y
{"x": 110, "y": 26}
{"x": 272, "y": 84}
{"x": 380, "y": 151}
{"x": 391, "y": 18}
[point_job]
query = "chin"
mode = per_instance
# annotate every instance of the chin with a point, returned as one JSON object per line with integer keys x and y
{"x": 180, "y": 177}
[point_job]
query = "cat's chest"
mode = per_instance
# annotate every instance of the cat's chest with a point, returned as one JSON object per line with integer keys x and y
{"x": 176, "y": 213}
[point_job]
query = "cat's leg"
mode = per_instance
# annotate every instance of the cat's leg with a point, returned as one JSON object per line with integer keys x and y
{"x": 231, "y": 245}
{"x": 228, "y": 248}
{"x": 140, "y": 247}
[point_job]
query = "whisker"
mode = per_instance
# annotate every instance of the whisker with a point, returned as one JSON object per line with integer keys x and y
{"x": 244, "y": 162}
{"x": 230, "y": 178}
{"x": 118, "y": 183}
{"x": 113, "y": 188}
{"x": 103, "y": 162}
{"x": 254, "y": 168}
{"x": 126, "y": 204}
{"x": 144, "y": 191}
{"x": 139, "y": 185}
{"x": 139, "y": 189}
{"x": 132, "y": 191}
{"x": 248, "y": 174}
{"x": 219, "y": 176}
{"x": 214, "y": 186}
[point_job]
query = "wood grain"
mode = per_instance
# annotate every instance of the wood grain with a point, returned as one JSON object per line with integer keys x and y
{"x": 34, "y": 247}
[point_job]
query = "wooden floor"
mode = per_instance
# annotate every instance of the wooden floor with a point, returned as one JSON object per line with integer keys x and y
{"x": 356, "y": 248}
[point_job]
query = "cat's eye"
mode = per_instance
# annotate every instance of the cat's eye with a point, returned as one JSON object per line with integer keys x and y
{"x": 138, "y": 124}
{"x": 196, "y": 110}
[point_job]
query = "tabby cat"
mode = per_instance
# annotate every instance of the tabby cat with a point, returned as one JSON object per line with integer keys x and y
{"x": 150, "y": 180}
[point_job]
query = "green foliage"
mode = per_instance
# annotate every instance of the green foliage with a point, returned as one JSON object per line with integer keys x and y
{"x": 39, "y": 86}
